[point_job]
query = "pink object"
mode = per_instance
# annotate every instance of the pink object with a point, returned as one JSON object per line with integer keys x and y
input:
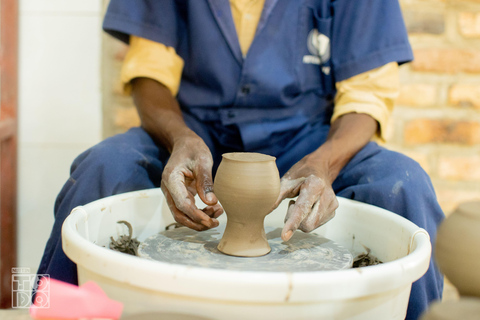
{"x": 60, "y": 300}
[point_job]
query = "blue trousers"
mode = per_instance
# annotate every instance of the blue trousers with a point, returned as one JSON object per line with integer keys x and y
{"x": 132, "y": 161}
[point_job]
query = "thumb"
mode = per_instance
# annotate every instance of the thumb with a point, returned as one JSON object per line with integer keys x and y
{"x": 204, "y": 184}
{"x": 278, "y": 201}
{"x": 286, "y": 187}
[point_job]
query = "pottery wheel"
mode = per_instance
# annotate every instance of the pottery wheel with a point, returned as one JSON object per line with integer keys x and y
{"x": 304, "y": 252}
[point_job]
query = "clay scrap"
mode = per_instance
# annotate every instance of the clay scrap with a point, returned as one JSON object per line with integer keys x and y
{"x": 125, "y": 243}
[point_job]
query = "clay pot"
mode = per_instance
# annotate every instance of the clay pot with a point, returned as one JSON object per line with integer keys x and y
{"x": 464, "y": 309}
{"x": 247, "y": 185}
{"x": 456, "y": 249}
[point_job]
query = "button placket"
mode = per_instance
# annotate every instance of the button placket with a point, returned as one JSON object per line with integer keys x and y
{"x": 245, "y": 89}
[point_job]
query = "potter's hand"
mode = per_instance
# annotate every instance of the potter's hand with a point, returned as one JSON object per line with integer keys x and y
{"x": 311, "y": 178}
{"x": 189, "y": 169}
{"x": 316, "y": 201}
{"x": 188, "y": 172}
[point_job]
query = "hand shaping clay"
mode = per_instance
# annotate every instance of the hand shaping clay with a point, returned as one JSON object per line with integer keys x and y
{"x": 456, "y": 249}
{"x": 247, "y": 185}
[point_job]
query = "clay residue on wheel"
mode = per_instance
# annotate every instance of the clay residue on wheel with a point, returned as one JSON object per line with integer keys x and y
{"x": 303, "y": 253}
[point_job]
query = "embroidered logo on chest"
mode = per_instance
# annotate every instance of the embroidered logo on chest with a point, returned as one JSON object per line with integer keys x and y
{"x": 318, "y": 45}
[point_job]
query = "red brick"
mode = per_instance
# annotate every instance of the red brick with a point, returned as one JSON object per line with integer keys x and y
{"x": 423, "y": 131}
{"x": 465, "y": 95}
{"x": 459, "y": 168}
{"x": 424, "y": 21}
{"x": 447, "y": 60}
{"x": 417, "y": 95}
{"x": 469, "y": 24}
{"x": 421, "y": 158}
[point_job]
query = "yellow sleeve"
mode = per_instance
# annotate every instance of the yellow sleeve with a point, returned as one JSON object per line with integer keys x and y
{"x": 149, "y": 59}
{"x": 373, "y": 93}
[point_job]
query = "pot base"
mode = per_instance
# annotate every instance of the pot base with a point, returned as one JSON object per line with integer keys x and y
{"x": 225, "y": 248}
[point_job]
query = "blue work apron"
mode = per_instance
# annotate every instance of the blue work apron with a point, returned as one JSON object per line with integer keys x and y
{"x": 287, "y": 79}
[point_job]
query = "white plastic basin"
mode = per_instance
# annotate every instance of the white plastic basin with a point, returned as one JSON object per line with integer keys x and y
{"x": 375, "y": 292}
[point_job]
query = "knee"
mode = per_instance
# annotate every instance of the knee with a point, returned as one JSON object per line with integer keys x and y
{"x": 397, "y": 183}
{"x": 396, "y": 178}
{"x": 104, "y": 157}
{"x": 118, "y": 164}
{"x": 407, "y": 175}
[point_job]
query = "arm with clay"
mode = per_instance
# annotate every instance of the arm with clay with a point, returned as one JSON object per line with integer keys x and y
{"x": 189, "y": 169}
{"x": 363, "y": 104}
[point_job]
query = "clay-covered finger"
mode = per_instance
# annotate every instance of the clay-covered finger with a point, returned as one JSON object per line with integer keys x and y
{"x": 301, "y": 209}
{"x": 314, "y": 218}
{"x": 309, "y": 227}
{"x": 183, "y": 202}
{"x": 322, "y": 212}
{"x": 288, "y": 189}
{"x": 204, "y": 181}
{"x": 218, "y": 210}
{"x": 184, "y": 220}
{"x": 179, "y": 216}
{"x": 213, "y": 211}
{"x": 287, "y": 233}
{"x": 290, "y": 210}
{"x": 306, "y": 200}
{"x": 208, "y": 210}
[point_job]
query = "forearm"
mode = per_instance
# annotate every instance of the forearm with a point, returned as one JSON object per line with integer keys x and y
{"x": 159, "y": 112}
{"x": 188, "y": 171}
{"x": 348, "y": 134}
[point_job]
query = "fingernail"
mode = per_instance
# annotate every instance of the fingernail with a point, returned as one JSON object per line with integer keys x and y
{"x": 210, "y": 223}
{"x": 288, "y": 235}
{"x": 209, "y": 197}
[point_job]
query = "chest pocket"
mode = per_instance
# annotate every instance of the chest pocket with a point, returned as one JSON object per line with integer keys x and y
{"x": 313, "y": 62}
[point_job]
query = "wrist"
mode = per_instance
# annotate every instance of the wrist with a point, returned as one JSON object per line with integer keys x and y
{"x": 185, "y": 136}
{"x": 167, "y": 129}
{"x": 348, "y": 135}
{"x": 329, "y": 161}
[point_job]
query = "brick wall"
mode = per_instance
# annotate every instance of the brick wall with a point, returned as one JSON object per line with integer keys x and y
{"x": 437, "y": 118}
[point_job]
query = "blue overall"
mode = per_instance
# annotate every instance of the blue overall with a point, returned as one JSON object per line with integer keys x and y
{"x": 277, "y": 100}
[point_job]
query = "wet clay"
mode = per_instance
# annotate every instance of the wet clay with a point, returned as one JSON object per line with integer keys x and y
{"x": 365, "y": 259}
{"x": 125, "y": 243}
{"x": 247, "y": 185}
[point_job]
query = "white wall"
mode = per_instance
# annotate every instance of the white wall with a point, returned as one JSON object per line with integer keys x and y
{"x": 59, "y": 108}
